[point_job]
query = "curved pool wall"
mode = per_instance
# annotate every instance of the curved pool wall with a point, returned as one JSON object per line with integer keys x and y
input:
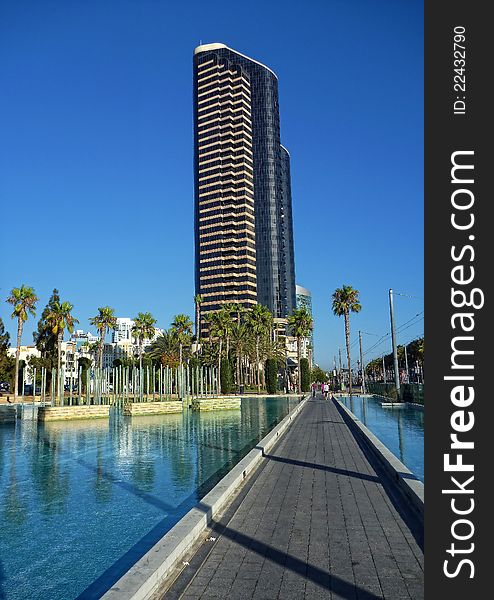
{"x": 81, "y": 502}
{"x": 400, "y": 428}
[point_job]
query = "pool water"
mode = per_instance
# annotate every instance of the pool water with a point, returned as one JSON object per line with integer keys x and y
{"x": 400, "y": 429}
{"x": 81, "y": 502}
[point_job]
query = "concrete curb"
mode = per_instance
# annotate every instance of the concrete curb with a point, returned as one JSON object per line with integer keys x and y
{"x": 405, "y": 479}
{"x": 144, "y": 578}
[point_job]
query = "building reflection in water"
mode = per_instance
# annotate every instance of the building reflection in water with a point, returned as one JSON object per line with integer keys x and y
{"x": 96, "y": 491}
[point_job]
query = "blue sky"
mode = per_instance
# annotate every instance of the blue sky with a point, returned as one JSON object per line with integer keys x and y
{"x": 96, "y": 155}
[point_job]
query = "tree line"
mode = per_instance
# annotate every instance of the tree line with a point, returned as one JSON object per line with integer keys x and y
{"x": 415, "y": 356}
{"x": 242, "y": 343}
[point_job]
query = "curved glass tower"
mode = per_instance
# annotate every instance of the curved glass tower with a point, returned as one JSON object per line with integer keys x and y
{"x": 243, "y": 214}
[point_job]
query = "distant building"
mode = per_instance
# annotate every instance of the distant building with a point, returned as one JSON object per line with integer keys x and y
{"x": 305, "y": 349}
{"x": 304, "y": 299}
{"x": 68, "y": 360}
{"x": 124, "y": 344}
{"x": 123, "y": 330}
{"x": 26, "y": 352}
{"x": 84, "y": 345}
{"x": 83, "y": 339}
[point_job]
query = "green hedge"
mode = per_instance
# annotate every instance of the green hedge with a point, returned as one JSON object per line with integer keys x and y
{"x": 271, "y": 373}
{"x": 409, "y": 392}
{"x": 226, "y": 377}
{"x": 304, "y": 368}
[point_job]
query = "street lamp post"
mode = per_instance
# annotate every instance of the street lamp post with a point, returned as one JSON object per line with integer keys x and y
{"x": 362, "y": 362}
{"x": 393, "y": 340}
{"x": 406, "y": 365}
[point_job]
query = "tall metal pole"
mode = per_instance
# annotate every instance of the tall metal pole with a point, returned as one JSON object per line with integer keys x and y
{"x": 362, "y": 362}
{"x": 393, "y": 340}
{"x": 340, "y": 375}
{"x": 406, "y": 364}
{"x": 335, "y": 373}
{"x": 34, "y": 389}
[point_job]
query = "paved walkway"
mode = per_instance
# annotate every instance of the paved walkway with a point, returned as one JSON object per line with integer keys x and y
{"x": 318, "y": 521}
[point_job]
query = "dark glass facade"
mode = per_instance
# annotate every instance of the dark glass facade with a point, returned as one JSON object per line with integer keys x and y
{"x": 287, "y": 233}
{"x": 260, "y": 135}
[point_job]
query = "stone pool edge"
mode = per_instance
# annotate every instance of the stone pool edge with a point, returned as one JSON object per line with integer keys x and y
{"x": 407, "y": 482}
{"x": 144, "y": 578}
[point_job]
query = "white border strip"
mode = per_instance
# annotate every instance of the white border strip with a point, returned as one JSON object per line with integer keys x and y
{"x": 144, "y": 578}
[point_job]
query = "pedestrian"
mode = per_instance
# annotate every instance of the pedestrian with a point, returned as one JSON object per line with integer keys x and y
{"x": 314, "y": 387}
{"x": 326, "y": 389}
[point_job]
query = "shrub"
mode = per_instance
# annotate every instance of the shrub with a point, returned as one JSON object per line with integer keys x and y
{"x": 305, "y": 371}
{"x": 271, "y": 375}
{"x": 226, "y": 377}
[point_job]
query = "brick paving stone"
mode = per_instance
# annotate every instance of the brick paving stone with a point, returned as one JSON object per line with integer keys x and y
{"x": 243, "y": 589}
{"x": 194, "y": 590}
{"x": 318, "y": 520}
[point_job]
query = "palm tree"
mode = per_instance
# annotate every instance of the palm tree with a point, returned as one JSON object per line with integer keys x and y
{"x": 259, "y": 321}
{"x": 198, "y": 300}
{"x": 301, "y": 325}
{"x": 104, "y": 321}
{"x": 209, "y": 354}
{"x": 227, "y": 323}
{"x": 165, "y": 349}
{"x": 239, "y": 338}
{"x": 217, "y": 327}
{"x": 420, "y": 349}
{"x": 58, "y": 318}
{"x": 272, "y": 349}
{"x": 182, "y": 328}
{"x": 235, "y": 308}
{"x": 23, "y": 300}
{"x": 92, "y": 348}
{"x": 143, "y": 329}
{"x": 345, "y": 301}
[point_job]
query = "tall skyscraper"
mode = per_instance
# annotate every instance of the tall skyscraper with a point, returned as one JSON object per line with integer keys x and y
{"x": 243, "y": 206}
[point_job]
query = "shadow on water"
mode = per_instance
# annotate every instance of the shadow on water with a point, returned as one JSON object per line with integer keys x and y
{"x": 2, "y": 575}
{"x": 48, "y": 465}
{"x": 306, "y": 570}
{"x": 104, "y": 582}
{"x": 2, "y": 579}
{"x": 103, "y": 474}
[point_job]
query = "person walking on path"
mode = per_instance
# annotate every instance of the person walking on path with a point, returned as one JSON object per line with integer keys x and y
{"x": 326, "y": 389}
{"x": 314, "y": 388}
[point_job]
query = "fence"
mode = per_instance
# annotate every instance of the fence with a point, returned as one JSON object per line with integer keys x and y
{"x": 409, "y": 392}
{"x": 118, "y": 385}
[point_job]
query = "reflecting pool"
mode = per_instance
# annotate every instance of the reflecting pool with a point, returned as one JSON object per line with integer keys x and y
{"x": 400, "y": 429}
{"x": 80, "y": 502}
